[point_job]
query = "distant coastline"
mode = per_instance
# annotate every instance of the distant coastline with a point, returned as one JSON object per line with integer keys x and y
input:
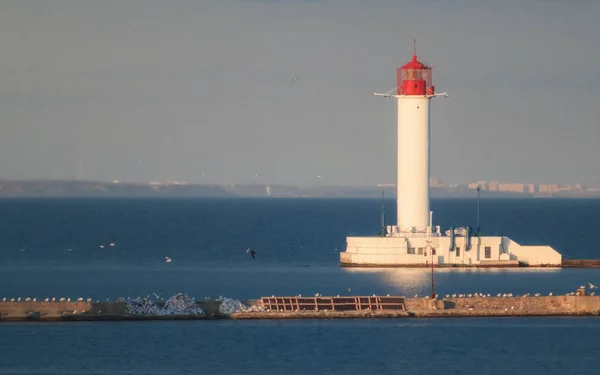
{"x": 97, "y": 189}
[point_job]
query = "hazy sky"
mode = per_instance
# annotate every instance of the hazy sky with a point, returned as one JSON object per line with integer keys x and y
{"x": 192, "y": 87}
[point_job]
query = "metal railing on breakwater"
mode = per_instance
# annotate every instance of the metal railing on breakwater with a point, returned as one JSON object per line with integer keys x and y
{"x": 319, "y": 303}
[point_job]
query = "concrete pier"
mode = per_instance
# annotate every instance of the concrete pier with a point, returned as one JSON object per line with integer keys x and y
{"x": 458, "y": 248}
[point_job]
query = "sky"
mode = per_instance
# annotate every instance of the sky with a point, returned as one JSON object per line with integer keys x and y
{"x": 203, "y": 91}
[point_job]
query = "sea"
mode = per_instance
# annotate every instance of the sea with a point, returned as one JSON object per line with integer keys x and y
{"x": 62, "y": 248}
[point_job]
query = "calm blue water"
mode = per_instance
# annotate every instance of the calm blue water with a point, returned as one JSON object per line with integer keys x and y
{"x": 51, "y": 248}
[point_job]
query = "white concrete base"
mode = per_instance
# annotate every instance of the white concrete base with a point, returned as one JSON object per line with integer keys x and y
{"x": 415, "y": 251}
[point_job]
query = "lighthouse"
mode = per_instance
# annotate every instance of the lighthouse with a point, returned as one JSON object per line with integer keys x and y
{"x": 414, "y": 241}
{"x": 414, "y": 91}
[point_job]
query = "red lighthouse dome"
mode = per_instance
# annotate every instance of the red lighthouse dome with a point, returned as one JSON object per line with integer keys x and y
{"x": 414, "y": 78}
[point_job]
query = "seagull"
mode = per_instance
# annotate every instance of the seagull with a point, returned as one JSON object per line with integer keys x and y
{"x": 256, "y": 175}
{"x": 102, "y": 246}
{"x": 592, "y": 286}
{"x": 319, "y": 176}
{"x": 550, "y": 293}
{"x": 168, "y": 260}
{"x": 294, "y": 79}
{"x": 203, "y": 174}
{"x": 112, "y": 243}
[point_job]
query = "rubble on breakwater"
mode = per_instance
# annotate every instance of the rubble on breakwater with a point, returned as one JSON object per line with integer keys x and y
{"x": 177, "y": 307}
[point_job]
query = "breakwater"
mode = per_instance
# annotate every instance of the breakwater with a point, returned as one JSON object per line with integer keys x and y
{"x": 319, "y": 307}
{"x": 581, "y": 263}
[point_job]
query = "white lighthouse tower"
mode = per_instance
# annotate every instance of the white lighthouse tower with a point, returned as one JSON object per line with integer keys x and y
{"x": 414, "y": 241}
{"x": 414, "y": 91}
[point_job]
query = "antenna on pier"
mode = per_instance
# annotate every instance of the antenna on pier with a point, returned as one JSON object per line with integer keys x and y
{"x": 478, "y": 190}
{"x": 382, "y": 233}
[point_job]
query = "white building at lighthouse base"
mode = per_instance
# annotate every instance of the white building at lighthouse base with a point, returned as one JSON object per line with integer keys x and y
{"x": 415, "y": 250}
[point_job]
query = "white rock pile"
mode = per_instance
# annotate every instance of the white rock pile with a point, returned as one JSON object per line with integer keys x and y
{"x": 141, "y": 306}
{"x": 230, "y": 306}
{"x": 179, "y": 304}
